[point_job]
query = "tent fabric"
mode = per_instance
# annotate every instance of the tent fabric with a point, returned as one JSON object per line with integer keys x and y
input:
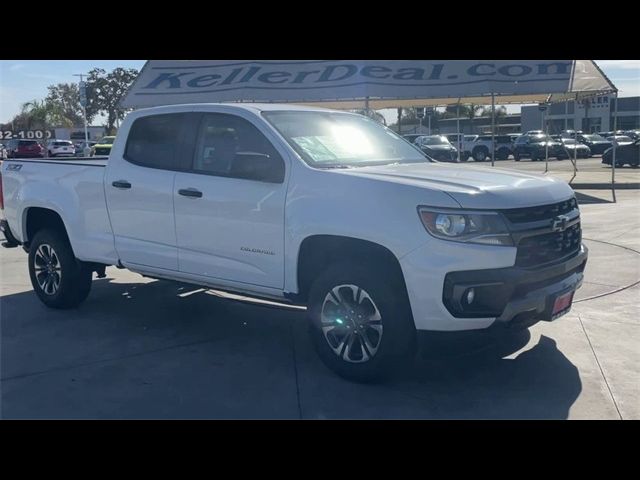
{"x": 345, "y": 84}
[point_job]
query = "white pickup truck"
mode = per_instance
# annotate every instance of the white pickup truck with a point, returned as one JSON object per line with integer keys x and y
{"x": 305, "y": 205}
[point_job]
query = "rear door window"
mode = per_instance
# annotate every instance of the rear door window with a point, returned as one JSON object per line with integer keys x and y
{"x": 162, "y": 141}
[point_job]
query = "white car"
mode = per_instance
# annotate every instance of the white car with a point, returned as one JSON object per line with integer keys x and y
{"x": 60, "y": 147}
{"x": 305, "y": 205}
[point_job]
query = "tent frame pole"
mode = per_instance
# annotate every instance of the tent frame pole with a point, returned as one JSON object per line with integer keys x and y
{"x": 613, "y": 156}
{"x": 459, "y": 133}
{"x": 493, "y": 129}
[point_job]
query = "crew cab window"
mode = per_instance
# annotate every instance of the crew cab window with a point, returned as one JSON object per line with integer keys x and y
{"x": 230, "y": 146}
{"x": 155, "y": 141}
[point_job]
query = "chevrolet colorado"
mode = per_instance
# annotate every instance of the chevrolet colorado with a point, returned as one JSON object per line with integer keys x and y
{"x": 305, "y": 205}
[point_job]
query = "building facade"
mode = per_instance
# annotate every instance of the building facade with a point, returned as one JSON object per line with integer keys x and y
{"x": 589, "y": 115}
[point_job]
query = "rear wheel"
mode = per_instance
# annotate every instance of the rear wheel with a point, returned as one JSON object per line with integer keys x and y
{"x": 360, "y": 324}
{"x": 57, "y": 277}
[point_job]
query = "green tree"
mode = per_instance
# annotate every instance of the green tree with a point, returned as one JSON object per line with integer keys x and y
{"x": 501, "y": 113}
{"x": 106, "y": 91}
{"x": 372, "y": 114}
{"x": 42, "y": 114}
{"x": 65, "y": 98}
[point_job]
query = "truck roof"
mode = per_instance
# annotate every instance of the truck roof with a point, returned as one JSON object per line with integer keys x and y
{"x": 255, "y": 107}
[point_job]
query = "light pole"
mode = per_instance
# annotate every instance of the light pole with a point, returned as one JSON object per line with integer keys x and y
{"x": 83, "y": 103}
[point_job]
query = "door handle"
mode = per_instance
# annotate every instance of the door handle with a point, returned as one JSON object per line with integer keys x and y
{"x": 190, "y": 192}
{"x": 121, "y": 184}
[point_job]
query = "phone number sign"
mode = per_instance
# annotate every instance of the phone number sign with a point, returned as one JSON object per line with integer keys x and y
{"x": 25, "y": 134}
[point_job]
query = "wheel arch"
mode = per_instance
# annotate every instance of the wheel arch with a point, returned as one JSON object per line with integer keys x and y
{"x": 38, "y": 218}
{"x": 317, "y": 252}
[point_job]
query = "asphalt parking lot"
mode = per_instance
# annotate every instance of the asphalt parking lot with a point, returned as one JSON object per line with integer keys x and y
{"x": 140, "y": 348}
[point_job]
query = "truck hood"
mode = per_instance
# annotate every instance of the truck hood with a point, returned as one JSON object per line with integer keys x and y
{"x": 473, "y": 187}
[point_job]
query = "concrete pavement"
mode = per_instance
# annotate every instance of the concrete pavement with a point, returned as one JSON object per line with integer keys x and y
{"x": 139, "y": 348}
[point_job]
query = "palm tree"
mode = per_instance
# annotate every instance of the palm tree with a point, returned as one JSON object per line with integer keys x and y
{"x": 501, "y": 112}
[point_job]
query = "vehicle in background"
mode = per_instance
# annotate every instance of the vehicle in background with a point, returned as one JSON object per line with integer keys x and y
{"x": 60, "y": 147}
{"x": 535, "y": 147}
{"x": 620, "y": 140}
{"x": 80, "y": 146}
{"x": 103, "y": 146}
{"x": 411, "y": 137}
{"x": 535, "y": 132}
{"x": 309, "y": 206}
{"x": 628, "y": 154}
{"x": 633, "y": 134}
{"x": 595, "y": 142}
{"x": 437, "y": 147}
{"x": 609, "y": 134}
{"x": 462, "y": 142}
{"x": 25, "y": 149}
{"x": 481, "y": 147}
{"x": 570, "y": 133}
{"x": 573, "y": 149}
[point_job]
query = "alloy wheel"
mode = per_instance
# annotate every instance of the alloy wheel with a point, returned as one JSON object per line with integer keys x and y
{"x": 47, "y": 268}
{"x": 351, "y": 323}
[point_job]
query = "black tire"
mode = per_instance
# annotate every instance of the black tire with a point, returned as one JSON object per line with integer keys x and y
{"x": 74, "y": 282}
{"x": 480, "y": 154}
{"x": 397, "y": 340}
{"x": 516, "y": 156}
{"x": 502, "y": 154}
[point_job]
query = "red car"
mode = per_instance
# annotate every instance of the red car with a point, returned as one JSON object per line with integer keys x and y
{"x": 24, "y": 149}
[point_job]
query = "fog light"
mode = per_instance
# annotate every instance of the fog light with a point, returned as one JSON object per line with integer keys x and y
{"x": 470, "y": 296}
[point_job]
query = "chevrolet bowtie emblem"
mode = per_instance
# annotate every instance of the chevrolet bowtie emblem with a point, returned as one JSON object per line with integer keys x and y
{"x": 559, "y": 224}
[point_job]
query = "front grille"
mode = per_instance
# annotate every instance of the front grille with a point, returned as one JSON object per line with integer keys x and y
{"x": 534, "y": 214}
{"x": 103, "y": 151}
{"x": 549, "y": 247}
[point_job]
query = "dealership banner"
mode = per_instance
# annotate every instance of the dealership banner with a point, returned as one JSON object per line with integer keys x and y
{"x": 166, "y": 82}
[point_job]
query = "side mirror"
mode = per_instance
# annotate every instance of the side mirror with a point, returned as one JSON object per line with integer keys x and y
{"x": 258, "y": 166}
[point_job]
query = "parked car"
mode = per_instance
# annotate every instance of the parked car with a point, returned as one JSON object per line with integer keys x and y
{"x": 535, "y": 147}
{"x": 437, "y": 147}
{"x": 60, "y": 147}
{"x": 596, "y": 143}
{"x": 573, "y": 149}
{"x": 321, "y": 208}
{"x": 24, "y": 149}
{"x": 628, "y": 154}
{"x": 535, "y": 132}
{"x": 411, "y": 137}
{"x": 633, "y": 134}
{"x": 466, "y": 143}
{"x": 103, "y": 146}
{"x": 480, "y": 147}
{"x": 571, "y": 133}
{"x": 620, "y": 140}
{"x": 80, "y": 146}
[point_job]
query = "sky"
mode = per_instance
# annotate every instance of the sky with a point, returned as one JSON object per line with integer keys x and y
{"x": 25, "y": 80}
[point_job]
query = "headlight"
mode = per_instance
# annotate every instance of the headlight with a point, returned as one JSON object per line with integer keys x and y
{"x": 488, "y": 228}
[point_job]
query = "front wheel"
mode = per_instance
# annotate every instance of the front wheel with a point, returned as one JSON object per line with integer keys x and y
{"x": 57, "y": 277}
{"x": 360, "y": 322}
{"x": 480, "y": 155}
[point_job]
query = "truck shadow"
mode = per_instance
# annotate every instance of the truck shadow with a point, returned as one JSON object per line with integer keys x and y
{"x": 208, "y": 350}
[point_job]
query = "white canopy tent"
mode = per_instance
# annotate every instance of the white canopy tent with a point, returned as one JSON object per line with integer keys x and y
{"x": 372, "y": 84}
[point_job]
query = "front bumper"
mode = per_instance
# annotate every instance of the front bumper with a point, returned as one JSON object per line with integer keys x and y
{"x": 505, "y": 295}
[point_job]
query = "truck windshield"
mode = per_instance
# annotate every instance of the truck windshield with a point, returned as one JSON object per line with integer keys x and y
{"x": 330, "y": 140}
